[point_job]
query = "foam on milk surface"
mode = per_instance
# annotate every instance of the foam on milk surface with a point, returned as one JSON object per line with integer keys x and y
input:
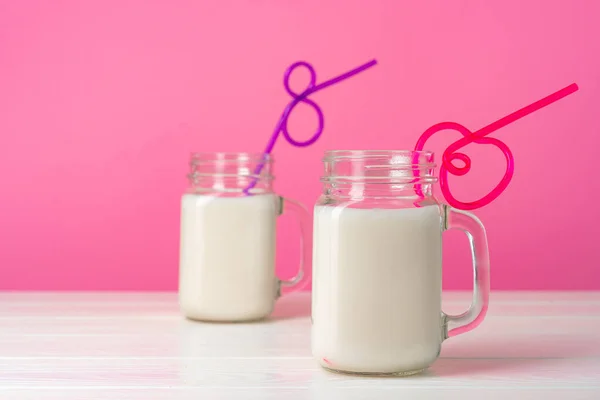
{"x": 376, "y": 288}
{"x": 227, "y": 257}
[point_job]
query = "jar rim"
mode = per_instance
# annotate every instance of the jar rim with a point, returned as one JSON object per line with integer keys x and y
{"x": 230, "y": 156}
{"x": 389, "y": 167}
{"x": 337, "y": 154}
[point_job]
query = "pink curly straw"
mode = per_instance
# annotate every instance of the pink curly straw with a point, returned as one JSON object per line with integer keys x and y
{"x": 479, "y": 137}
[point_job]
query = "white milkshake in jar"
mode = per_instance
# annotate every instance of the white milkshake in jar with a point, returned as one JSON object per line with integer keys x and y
{"x": 227, "y": 257}
{"x": 377, "y": 288}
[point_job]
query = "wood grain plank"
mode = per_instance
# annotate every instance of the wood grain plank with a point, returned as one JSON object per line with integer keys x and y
{"x": 318, "y": 393}
{"x": 496, "y": 337}
{"x": 67, "y": 306}
{"x": 285, "y": 373}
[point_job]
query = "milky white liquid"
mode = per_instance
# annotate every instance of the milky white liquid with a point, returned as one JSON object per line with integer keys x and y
{"x": 377, "y": 281}
{"x": 227, "y": 257}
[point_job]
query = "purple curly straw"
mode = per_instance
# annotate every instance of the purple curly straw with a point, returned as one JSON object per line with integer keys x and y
{"x": 298, "y": 98}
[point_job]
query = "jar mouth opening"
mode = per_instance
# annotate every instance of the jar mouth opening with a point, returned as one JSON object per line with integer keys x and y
{"x": 331, "y": 155}
{"x": 234, "y": 157}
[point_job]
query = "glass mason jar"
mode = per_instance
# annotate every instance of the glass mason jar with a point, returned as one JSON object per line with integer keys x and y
{"x": 227, "y": 242}
{"x": 377, "y": 264}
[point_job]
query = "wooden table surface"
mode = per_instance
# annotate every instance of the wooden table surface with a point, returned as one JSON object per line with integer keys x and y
{"x": 90, "y": 346}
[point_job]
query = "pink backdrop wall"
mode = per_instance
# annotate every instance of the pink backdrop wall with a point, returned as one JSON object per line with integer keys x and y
{"x": 101, "y": 102}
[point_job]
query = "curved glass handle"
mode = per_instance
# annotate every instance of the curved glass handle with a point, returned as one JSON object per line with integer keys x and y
{"x": 303, "y": 217}
{"x": 473, "y": 228}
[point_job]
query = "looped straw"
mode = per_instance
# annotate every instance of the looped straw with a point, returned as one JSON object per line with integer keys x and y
{"x": 451, "y": 153}
{"x": 303, "y": 98}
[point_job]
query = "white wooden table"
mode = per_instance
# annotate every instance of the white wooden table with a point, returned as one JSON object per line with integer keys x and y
{"x": 136, "y": 346}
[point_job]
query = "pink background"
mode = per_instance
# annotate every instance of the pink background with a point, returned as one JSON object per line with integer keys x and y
{"x": 101, "y": 102}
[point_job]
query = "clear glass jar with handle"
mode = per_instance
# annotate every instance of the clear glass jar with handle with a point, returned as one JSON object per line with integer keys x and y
{"x": 377, "y": 264}
{"x": 227, "y": 242}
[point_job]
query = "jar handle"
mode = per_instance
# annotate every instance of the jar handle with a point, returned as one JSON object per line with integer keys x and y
{"x": 303, "y": 217}
{"x": 475, "y": 231}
